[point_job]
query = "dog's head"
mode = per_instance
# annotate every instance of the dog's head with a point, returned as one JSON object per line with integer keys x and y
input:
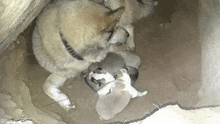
{"x": 88, "y": 26}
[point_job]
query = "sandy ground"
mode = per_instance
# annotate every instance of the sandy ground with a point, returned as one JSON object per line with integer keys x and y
{"x": 168, "y": 44}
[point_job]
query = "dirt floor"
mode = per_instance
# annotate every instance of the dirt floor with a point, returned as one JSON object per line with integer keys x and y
{"x": 169, "y": 47}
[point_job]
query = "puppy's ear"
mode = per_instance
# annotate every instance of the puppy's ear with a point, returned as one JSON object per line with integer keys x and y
{"x": 114, "y": 15}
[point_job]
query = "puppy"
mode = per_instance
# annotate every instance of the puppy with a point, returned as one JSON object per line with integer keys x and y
{"x": 112, "y": 65}
{"x": 115, "y": 96}
{"x": 101, "y": 76}
{"x": 68, "y": 37}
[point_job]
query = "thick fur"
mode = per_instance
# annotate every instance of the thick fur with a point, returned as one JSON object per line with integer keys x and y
{"x": 86, "y": 26}
{"x": 115, "y": 96}
{"x": 134, "y": 10}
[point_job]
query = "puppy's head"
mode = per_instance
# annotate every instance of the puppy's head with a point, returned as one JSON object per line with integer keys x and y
{"x": 101, "y": 75}
{"x": 123, "y": 76}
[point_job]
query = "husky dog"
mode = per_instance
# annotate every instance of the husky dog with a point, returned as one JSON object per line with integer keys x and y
{"x": 134, "y": 10}
{"x": 115, "y": 96}
{"x": 68, "y": 37}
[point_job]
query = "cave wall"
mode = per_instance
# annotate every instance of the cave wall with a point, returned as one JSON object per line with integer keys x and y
{"x": 209, "y": 26}
{"x": 15, "y": 16}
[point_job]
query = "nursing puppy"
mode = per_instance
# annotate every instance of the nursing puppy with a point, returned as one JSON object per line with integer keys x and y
{"x": 112, "y": 64}
{"x": 68, "y": 37}
{"x": 115, "y": 96}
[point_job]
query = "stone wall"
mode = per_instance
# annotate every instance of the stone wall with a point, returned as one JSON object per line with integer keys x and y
{"x": 15, "y": 16}
{"x": 209, "y": 24}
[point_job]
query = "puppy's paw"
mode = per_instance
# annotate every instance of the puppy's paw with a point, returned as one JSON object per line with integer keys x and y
{"x": 143, "y": 93}
{"x": 140, "y": 94}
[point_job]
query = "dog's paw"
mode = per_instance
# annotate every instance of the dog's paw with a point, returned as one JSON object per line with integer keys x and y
{"x": 64, "y": 102}
{"x": 66, "y": 105}
{"x": 67, "y": 108}
{"x": 130, "y": 46}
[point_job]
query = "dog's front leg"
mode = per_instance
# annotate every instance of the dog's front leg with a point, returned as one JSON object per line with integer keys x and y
{"x": 51, "y": 88}
{"x": 130, "y": 39}
{"x": 119, "y": 36}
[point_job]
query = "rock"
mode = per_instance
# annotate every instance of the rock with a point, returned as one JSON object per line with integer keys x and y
{"x": 8, "y": 104}
{"x": 15, "y": 16}
{"x": 2, "y": 112}
{"x": 4, "y": 97}
{"x": 17, "y": 113}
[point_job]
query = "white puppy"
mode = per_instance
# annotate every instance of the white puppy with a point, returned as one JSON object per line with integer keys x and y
{"x": 123, "y": 77}
{"x": 115, "y": 95}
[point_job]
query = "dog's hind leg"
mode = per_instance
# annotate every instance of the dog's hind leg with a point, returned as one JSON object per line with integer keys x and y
{"x": 51, "y": 88}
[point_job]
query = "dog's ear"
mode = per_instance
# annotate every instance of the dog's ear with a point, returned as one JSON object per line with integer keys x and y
{"x": 114, "y": 15}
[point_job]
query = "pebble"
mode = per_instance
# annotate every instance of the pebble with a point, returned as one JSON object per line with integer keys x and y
{"x": 2, "y": 112}
{"x": 4, "y": 97}
{"x": 17, "y": 113}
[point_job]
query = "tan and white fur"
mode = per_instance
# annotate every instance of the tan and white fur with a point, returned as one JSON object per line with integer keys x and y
{"x": 106, "y": 79}
{"x": 68, "y": 37}
{"x": 115, "y": 96}
{"x": 101, "y": 76}
{"x": 134, "y": 10}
